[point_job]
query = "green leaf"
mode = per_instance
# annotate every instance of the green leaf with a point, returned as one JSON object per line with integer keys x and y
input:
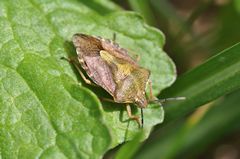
{"x": 144, "y": 8}
{"x": 216, "y": 77}
{"x": 237, "y": 5}
{"x": 45, "y": 109}
{"x": 129, "y": 149}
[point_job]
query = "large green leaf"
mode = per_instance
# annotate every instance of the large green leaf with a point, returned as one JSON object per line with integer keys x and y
{"x": 45, "y": 109}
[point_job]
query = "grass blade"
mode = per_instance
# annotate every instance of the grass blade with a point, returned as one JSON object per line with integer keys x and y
{"x": 216, "y": 77}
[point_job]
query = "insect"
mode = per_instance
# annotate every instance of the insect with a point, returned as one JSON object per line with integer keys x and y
{"x": 110, "y": 67}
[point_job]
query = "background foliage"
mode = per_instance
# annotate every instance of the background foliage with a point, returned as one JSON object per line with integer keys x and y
{"x": 46, "y": 110}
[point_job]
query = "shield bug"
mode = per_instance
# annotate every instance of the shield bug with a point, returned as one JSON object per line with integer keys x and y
{"x": 110, "y": 67}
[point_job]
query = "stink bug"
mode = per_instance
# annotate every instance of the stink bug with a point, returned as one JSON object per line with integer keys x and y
{"x": 110, "y": 67}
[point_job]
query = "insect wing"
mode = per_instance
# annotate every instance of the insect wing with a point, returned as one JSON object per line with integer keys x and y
{"x": 88, "y": 49}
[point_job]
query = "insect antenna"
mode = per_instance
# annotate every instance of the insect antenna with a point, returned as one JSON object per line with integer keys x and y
{"x": 168, "y": 99}
{"x": 142, "y": 117}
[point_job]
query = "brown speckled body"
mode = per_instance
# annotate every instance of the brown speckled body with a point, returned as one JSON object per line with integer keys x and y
{"x": 110, "y": 67}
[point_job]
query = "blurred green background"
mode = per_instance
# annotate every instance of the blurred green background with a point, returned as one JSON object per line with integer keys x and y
{"x": 195, "y": 30}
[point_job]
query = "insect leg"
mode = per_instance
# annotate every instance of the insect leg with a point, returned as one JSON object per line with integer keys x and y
{"x": 108, "y": 100}
{"x": 114, "y": 37}
{"x": 73, "y": 61}
{"x": 134, "y": 117}
{"x": 150, "y": 91}
{"x": 137, "y": 57}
